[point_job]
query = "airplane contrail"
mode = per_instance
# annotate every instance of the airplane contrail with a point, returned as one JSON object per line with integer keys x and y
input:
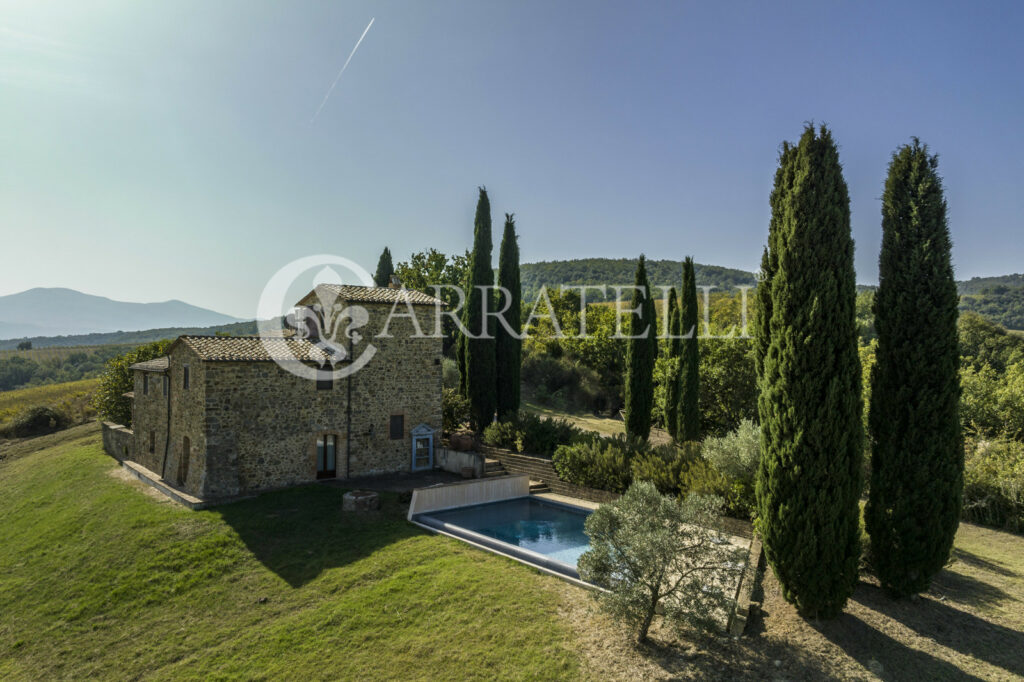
{"x": 343, "y": 67}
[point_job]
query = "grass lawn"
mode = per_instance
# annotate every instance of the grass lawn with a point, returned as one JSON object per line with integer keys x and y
{"x": 103, "y": 578}
{"x": 588, "y": 421}
{"x": 72, "y": 397}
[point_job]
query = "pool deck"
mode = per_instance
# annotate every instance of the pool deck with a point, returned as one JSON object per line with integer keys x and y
{"x": 564, "y": 499}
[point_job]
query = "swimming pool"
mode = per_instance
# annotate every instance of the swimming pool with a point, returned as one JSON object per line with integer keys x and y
{"x": 541, "y": 532}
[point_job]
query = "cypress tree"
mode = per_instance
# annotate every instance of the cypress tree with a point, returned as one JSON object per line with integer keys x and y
{"x": 385, "y": 268}
{"x": 810, "y": 403}
{"x": 640, "y": 356}
{"x": 479, "y": 351}
{"x": 675, "y": 349}
{"x": 917, "y": 454}
{"x": 763, "y": 312}
{"x": 509, "y": 348}
{"x": 689, "y": 362}
{"x": 675, "y": 325}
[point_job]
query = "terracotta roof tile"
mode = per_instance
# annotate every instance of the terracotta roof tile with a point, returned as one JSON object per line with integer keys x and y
{"x": 254, "y": 349}
{"x": 357, "y": 294}
{"x": 154, "y": 365}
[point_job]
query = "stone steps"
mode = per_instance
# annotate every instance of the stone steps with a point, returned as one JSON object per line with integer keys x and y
{"x": 540, "y": 470}
{"x": 492, "y": 468}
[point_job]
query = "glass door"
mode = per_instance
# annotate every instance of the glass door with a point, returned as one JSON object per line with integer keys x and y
{"x": 422, "y": 456}
{"x": 326, "y": 456}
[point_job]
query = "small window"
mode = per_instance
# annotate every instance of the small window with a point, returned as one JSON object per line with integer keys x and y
{"x": 324, "y": 381}
{"x": 185, "y": 377}
{"x": 166, "y": 381}
{"x": 397, "y": 426}
{"x": 152, "y": 441}
{"x": 145, "y": 384}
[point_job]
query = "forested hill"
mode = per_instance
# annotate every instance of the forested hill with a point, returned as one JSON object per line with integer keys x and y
{"x": 1000, "y": 299}
{"x": 134, "y": 338}
{"x": 621, "y": 271}
{"x": 979, "y": 285}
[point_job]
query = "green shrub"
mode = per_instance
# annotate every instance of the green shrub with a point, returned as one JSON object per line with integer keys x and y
{"x": 603, "y": 463}
{"x": 501, "y": 435}
{"x": 454, "y": 409}
{"x": 37, "y": 421}
{"x": 735, "y": 456}
{"x": 541, "y": 436}
{"x": 532, "y": 434}
{"x": 994, "y": 484}
{"x": 450, "y": 373}
{"x": 664, "y": 472}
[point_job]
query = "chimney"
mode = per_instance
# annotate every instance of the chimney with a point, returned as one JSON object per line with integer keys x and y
{"x": 395, "y": 283}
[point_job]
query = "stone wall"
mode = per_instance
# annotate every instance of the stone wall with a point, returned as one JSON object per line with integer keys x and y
{"x": 262, "y": 422}
{"x": 187, "y": 421}
{"x": 156, "y": 449}
{"x": 149, "y": 412}
{"x": 118, "y": 441}
{"x": 253, "y": 425}
{"x": 403, "y": 378}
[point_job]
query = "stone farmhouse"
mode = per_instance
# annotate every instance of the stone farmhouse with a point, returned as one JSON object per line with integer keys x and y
{"x": 223, "y": 416}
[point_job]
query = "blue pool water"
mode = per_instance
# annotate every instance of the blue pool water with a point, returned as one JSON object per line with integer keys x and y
{"x": 551, "y": 529}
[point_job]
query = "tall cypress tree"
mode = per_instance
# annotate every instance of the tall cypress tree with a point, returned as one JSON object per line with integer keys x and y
{"x": 509, "y": 348}
{"x": 763, "y": 310}
{"x": 917, "y": 454}
{"x": 479, "y": 348}
{"x": 640, "y": 356}
{"x": 385, "y": 268}
{"x": 689, "y": 362}
{"x": 810, "y": 403}
{"x": 675, "y": 349}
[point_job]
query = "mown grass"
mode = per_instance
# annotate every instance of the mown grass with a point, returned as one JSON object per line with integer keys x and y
{"x": 606, "y": 426}
{"x": 73, "y": 398}
{"x": 104, "y": 579}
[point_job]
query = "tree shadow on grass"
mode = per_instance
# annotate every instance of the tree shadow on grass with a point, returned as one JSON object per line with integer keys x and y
{"x": 300, "y": 532}
{"x": 882, "y": 655}
{"x": 976, "y": 561}
{"x": 966, "y": 589}
{"x": 958, "y": 630}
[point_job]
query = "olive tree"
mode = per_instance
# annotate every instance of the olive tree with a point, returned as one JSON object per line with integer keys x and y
{"x": 649, "y": 551}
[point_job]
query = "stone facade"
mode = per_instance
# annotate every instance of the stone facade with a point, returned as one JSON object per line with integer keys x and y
{"x": 248, "y": 424}
{"x": 119, "y": 441}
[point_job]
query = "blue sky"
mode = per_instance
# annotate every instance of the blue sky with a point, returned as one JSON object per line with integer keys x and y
{"x": 157, "y": 150}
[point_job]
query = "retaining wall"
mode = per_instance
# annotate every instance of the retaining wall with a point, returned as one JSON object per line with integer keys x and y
{"x": 118, "y": 441}
{"x": 541, "y": 469}
{"x": 454, "y": 460}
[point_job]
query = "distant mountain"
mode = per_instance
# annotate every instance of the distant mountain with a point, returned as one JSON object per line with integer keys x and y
{"x": 57, "y": 311}
{"x": 621, "y": 271}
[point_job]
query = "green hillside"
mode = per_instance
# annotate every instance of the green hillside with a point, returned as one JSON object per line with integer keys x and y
{"x": 103, "y": 579}
{"x": 621, "y": 271}
{"x": 977, "y": 285}
{"x": 1000, "y": 303}
{"x": 129, "y": 338}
